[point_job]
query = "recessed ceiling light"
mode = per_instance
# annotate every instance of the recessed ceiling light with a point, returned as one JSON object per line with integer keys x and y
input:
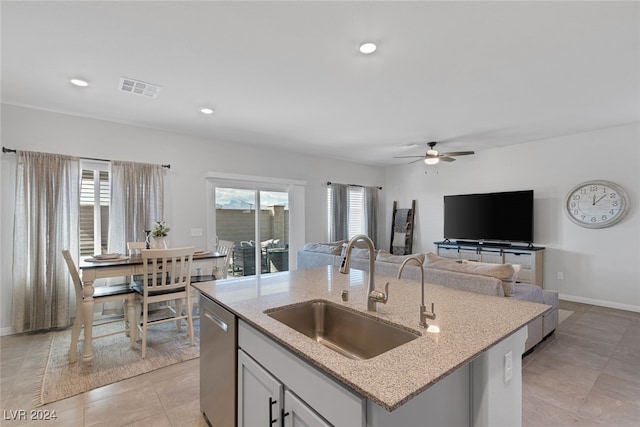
{"x": 367, "y": 48}
{"x": 206, "y": 110}
{"x": 79, "y": 82}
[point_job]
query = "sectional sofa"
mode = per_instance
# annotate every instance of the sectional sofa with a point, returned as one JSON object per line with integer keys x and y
{"x": 499, "y": 280}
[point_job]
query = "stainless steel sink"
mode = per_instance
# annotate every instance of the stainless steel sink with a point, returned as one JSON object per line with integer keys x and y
{"x": 346, "y": 331}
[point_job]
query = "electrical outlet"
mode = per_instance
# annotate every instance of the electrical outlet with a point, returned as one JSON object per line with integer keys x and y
{"x": 196, "y": 232}
{"x": 508, "y": 367}
{"x": 560, "y": 275}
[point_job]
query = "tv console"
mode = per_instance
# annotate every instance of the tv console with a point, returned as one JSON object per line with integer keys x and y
{"x": 529, "y": 257}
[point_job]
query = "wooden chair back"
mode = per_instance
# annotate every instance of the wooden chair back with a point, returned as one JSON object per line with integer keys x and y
{"x": 136, "y": 247}
{"x": 101, "y": 294}
{"x": 75, "y": 275}
{"x": 225, "y": 247}
{"x": 166, "y": 270}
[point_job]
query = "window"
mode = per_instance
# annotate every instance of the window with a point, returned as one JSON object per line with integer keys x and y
{"x": 355, "y": 209}
{"x": 95, "y": 194}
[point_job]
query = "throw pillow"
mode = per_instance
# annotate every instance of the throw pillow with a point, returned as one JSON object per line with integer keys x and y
{"x": 504, "y": 272}
{"x": 336, "y": 243}
{"x": 396, "y": 259}
{"x": 360, "y": 253}
{"x": 326, "y": 249}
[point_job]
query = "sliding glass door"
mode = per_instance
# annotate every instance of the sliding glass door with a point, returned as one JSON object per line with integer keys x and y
{"x": 255, "y": 215}
{"x": 258, "y": 225}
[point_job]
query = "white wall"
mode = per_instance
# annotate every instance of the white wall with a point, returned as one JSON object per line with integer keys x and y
{"x": 191, "y": 158}
{"x": 600, "y": 266}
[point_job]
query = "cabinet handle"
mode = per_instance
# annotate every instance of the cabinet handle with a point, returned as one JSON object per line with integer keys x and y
{"x": 271, "y": 403}
{"x": 282, "y": 415}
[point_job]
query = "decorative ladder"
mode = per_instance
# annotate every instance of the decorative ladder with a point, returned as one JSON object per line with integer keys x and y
{"x": 402, "y": 229}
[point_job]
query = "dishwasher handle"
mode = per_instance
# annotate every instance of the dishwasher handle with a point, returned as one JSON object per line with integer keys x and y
{"x": 218, "y": 321}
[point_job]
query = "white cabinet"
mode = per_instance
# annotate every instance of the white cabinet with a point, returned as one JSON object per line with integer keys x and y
{"x": 531, "y": 266}
{"x": 264, "y": 401}
{"x": 259, "y": 394}
{"x": 446, "y": 252}
{"x": 492, "y": 256}
{"x": 276, "y": 388}
{"x": 331, "y": 401}
{"x": 529, "y": 258}
{"x": 298, "y": 414}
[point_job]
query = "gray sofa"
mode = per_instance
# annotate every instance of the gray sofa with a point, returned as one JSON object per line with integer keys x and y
{"x": 490, "y": 279}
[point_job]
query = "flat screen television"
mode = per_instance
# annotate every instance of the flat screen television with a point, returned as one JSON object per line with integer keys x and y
{"x": 489, "y": 217}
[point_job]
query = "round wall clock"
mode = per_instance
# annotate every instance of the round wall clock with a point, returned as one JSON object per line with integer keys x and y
{"x": 596, "y": 204}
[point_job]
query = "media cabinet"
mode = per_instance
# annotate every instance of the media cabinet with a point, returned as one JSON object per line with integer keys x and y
{"x": 530, "y": 258}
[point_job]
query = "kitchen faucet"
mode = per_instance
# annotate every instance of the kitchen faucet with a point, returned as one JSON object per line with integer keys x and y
{"x": 423, "y": 310}
{"x": 373, "y": 296}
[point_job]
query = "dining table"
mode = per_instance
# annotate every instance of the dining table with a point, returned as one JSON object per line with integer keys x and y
{"x": 92, "y": 269}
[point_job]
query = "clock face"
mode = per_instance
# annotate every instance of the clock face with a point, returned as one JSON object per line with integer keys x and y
{"x": 596, "y": 204}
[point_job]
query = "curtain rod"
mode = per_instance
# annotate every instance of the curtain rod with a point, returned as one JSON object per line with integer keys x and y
{"x": 353, "y": 185}
{"x": 13, "y": 150}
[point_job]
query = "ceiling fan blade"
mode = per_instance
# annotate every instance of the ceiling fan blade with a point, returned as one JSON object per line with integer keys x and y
{"x": 446, "y": 159}
{"x": 458, "y": 153}
{"x": 407, "y": 157}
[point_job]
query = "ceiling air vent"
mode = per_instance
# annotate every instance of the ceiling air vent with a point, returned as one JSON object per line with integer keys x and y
{"x": 138, "y": 87}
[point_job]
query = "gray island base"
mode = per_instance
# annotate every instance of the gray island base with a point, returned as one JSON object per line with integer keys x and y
{"x": 468, "y": 373}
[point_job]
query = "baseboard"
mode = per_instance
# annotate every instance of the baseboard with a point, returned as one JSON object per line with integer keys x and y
{"x": 601, "y": 303}
{"x": 6, "y": 331}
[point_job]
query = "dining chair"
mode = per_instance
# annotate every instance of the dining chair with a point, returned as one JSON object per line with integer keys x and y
{"x": 135, "y": 248}
{"x": 166, "y": 277}
{"x": 225, "y": 247}
{"x": 101, "y": 294}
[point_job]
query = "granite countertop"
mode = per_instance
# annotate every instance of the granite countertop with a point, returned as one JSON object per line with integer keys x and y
{"x": 468, "y": 324}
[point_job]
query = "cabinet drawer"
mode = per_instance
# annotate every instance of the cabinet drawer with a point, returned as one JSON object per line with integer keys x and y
{"x": 525, "y": 260}
{"x": 469, "y": 254}
{"x": 448, "y": 253}
{"x": 333, "y": 401}
{"x": 491, "y": 257}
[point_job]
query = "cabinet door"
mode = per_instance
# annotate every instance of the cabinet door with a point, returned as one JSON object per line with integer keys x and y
{"x": 448, "y": 252}
{"x": 259, "y": 394}
{"x": 298, "y": 414}
{"x": 492, "y": 257}
{"x": 469, "y": 254}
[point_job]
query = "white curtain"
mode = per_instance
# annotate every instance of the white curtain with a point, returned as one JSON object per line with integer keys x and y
{"x": 46, "y": 221}
{"x": 137, "y": 200}
{"x": 371, "y": 213}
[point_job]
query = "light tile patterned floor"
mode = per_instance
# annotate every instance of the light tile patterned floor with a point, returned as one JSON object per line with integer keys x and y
{"x": 586, "y": 374}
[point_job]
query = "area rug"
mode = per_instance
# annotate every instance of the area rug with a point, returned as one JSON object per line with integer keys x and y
{"x": 113, "y": 359}
{"x": 564, "y": 314}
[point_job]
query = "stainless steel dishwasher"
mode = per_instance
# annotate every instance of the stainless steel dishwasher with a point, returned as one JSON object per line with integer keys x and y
{"x": 218, "y": 364}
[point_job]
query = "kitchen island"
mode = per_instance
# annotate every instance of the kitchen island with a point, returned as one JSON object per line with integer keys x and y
{"x": 455, "y": 373}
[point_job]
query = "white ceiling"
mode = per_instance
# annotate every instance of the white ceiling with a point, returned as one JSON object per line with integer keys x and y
{"x": 473, "y": 75}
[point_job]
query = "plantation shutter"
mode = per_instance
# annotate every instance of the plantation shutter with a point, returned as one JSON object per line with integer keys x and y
{"x": 94, "y": 211}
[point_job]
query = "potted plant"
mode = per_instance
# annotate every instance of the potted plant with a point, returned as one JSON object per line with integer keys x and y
{"x": 159, "y": 232}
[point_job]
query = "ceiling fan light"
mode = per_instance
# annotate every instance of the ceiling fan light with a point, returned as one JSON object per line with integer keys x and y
{"x": 431, "y": 160}
{"x": 79, "y": 82}
{"x": 432, "y": 152}
{"x": 367, "y": 48}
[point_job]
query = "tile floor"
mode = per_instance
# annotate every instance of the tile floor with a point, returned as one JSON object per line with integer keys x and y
{"x": 586, "y": 374}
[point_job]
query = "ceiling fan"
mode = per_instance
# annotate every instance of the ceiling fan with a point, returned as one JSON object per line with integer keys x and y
{"x": 432, "y": 156}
